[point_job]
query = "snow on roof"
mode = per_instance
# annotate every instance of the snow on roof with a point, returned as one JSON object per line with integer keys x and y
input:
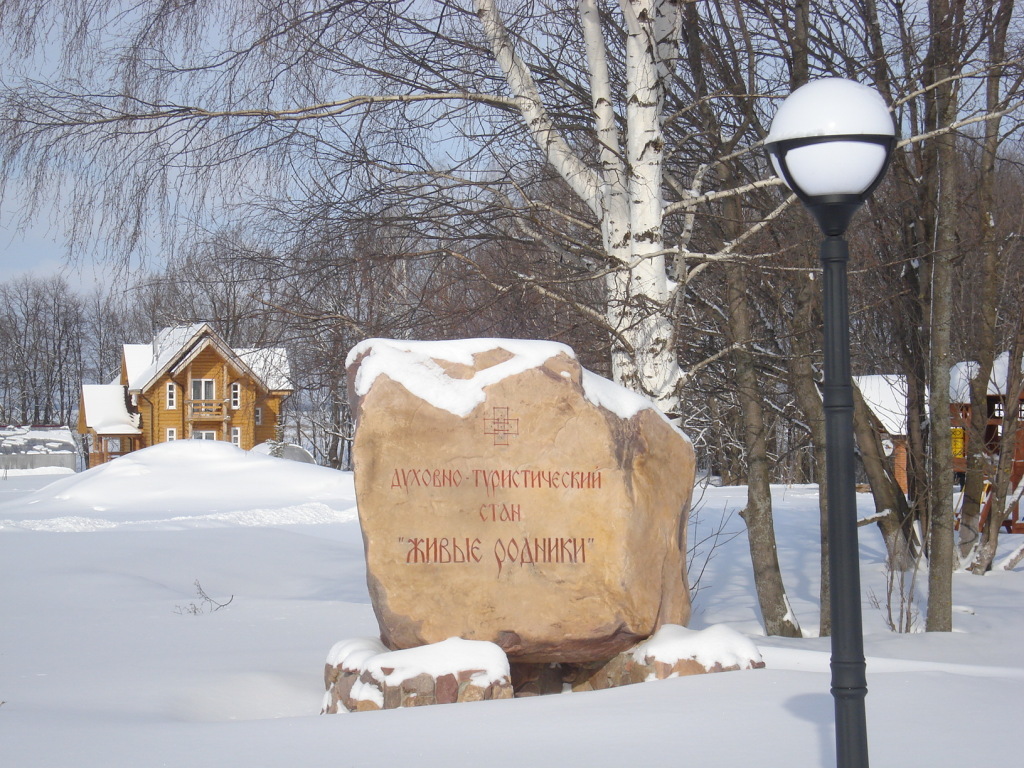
{"x": 886, "y": 396}
{"x": 412, "y": 364}
{"x": 145, "y": 361}
{"x": 960, "y": 376}
{"x": 269, "y": 364}
{"x": 138, "y": 358}
{"x": 106, "y": 411}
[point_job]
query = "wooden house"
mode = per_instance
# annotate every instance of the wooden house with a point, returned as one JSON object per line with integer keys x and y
{"x": 996, "y": 406}
{"x": 186, "y": 383}
{"x": 887, "y": 398}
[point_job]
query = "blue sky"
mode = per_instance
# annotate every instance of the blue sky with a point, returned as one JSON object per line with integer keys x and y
{"x": 38, "y": 249}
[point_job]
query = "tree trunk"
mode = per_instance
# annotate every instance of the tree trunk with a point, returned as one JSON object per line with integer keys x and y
{"x": 778, "y": 616}
{"x": 940, "y": 534}
{"x": 985, "y": 329}
{"x": 942, "y": 108}
{"x": 1002, "y": 480}
{"x": 890, "y": 503}
{"x": 805, "y": 387}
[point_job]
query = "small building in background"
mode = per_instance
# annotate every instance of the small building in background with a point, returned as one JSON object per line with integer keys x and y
{"x": 38, "y": 449}
{"x": 998, "y": 406}
{"x": 886, "y": 395}
{"x": 186, "y": 384}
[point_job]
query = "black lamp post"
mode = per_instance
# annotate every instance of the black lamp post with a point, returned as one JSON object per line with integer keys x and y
{"x": 831, "y": 141}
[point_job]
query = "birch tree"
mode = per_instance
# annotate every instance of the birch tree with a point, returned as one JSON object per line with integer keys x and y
{"x": 151, "y": 105}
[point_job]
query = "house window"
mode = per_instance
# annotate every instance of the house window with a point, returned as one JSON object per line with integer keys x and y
{"x": 113, "y": 444}
{"x": 202, "y": 389}
{"x": 172, "y": 395}
{"x": 236, "y": 437}
{"x": 204, "y": 434}
{"x": 236, "y": 395}
{"x": 1020, "y": 411}
{"x": 172, "y": 434}
{"x": 259, "y": 416}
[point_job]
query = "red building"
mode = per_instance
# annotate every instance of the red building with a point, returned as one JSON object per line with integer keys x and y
{"x": 887, "y": 398}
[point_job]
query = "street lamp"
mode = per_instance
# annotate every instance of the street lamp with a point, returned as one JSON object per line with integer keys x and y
{"x": 831, "y": 141}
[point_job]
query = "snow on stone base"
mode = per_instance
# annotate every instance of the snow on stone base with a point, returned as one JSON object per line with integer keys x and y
{"x": 362, "y": 675}
{"x": 716, "y": 648}
{"x": 673, "y": 651}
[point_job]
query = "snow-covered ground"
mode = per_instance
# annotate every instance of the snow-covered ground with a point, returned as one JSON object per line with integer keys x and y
{"x": 110, "y": 657}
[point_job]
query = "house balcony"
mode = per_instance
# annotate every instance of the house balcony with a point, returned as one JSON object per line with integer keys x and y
{"x": 207, "y": 410}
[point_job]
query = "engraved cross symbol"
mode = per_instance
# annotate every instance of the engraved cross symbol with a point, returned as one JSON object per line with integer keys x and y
{"x": 501, "y": 425}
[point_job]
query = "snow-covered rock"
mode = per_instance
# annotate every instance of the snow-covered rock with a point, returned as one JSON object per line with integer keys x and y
{"x": 508, "y": 495}
{"x": 673, "y": 651}
{"x": 361, "y": 675}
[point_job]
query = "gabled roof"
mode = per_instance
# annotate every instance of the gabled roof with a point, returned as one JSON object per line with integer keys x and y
{"x": 960, "y": 376}
{"x": 144, "y": 363}
{"x": 269, "y": 364}
{"x": 886, "y": 396}
{"x": 174, "y": 347}
{"x": 138, "y": 358}
{"x": 203, "y": 343}
{"x": 106, "y": 411}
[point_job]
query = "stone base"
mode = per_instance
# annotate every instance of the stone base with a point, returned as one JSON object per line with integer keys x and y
{"x": 673, "y": 651}
{"x": 543, "y": 679}
{"x": 361, "y": 675}
{"x": 362, "y": 693}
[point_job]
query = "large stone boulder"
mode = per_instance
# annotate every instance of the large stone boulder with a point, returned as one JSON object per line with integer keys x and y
{"x": 508, "y": 495}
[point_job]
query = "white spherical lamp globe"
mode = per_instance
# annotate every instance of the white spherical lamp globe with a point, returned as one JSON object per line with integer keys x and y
{"x": 831, "y": 137}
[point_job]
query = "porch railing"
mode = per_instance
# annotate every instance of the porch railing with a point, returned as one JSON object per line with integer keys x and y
{"x": 207, "y": 409}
